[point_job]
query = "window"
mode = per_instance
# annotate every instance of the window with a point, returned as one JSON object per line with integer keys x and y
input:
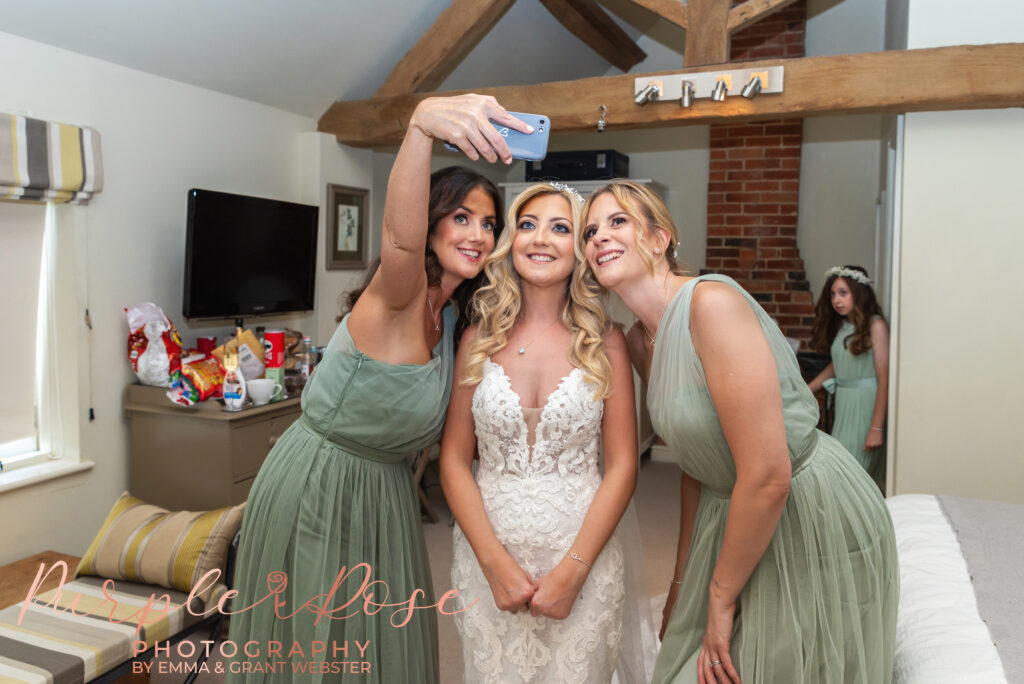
{"x": 21, "y": 234}
{"x": 38, "y": 409}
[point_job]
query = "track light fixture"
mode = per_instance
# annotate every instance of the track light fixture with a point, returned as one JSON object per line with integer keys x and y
{"x": 719, "y": 92}
{"x": 686, "y": 88}
{"x": 686, "y": 99}
{"x": 752, "y": 89}
{"x": 646, "y": 94}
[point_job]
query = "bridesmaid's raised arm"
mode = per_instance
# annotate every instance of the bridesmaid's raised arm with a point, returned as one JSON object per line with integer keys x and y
{"x": 461, "y": 120}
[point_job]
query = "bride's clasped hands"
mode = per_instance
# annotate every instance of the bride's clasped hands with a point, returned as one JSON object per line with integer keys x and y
{"x": 551, "y": 595}
{"x": 556, "y": 592}
{"x": 511, "y": 586}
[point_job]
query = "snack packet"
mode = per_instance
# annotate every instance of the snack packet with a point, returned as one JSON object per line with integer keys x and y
{"x": 199, "y": 379}
{"x": 154, "y": 346}
{"x": 250, "y": 354}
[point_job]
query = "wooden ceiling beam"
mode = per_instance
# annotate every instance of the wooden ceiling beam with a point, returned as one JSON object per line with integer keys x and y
{"x": 587, "y": 21}
{"x": 707, "y": 40}
{"x": 451, "y": 37}
{"x": 960, "y": 77}
{"x": 673, "y": 11}
{"x": 751, "y": 11}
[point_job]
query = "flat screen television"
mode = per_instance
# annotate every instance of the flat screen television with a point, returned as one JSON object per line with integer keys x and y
{"x": 247, "y": 256}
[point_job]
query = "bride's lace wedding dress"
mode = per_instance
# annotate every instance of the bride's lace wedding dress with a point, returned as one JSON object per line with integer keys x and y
{"x": 538, "y": 473}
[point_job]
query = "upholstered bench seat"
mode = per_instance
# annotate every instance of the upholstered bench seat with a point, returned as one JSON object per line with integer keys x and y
{"x": 94, "y": 618}
{"x": 82, "y": 631}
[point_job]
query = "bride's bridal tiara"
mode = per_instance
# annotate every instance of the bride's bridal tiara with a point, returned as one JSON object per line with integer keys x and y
{"x": 562, "y": 187}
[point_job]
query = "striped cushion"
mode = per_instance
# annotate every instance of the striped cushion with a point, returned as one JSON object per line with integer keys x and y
{"x": 143, "y": 543}
{"x": 81, "y": 630}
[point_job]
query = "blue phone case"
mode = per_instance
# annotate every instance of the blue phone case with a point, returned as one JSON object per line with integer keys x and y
{"x": 528, "y": 146}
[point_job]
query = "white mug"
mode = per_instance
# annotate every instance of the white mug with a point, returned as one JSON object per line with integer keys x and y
{"x": 261, "y": 390}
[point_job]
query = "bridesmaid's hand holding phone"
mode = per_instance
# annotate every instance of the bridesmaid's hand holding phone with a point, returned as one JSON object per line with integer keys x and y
{"x": 465, "y": 121}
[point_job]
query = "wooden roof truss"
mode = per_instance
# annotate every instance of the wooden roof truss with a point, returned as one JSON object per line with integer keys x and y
{"x": 959, "y": 77}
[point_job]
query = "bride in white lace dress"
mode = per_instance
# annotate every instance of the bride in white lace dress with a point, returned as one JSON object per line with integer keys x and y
{"x": 541, "y": 381}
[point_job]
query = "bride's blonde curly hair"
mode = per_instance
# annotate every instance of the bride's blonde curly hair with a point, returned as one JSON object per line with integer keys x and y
{"x": 497, "y": 303}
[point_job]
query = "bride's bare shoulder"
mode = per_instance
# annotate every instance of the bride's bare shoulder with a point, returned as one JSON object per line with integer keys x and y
{"x": 614, "y": 338}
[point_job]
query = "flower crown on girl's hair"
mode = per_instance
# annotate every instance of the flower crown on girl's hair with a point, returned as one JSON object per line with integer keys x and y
{"x": 844, "y": 272}
{"x": 562, "y": 187}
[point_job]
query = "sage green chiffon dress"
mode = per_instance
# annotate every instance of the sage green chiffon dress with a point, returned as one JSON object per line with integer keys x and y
{"x": 820, "y": 605}
{"x": 854, "y": 389}
{"x": 337, "y": 491}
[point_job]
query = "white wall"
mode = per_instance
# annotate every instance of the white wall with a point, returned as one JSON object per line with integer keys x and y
{"x": 330, "y": 162}
{"x": 961, "y": 331}
{"x": 160, "y": 138}
{"x": 839, "y": 174}
{"x": 934, "y": 23}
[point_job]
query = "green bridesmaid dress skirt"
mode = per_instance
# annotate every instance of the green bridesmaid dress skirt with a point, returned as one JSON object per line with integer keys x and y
{"x": 854, "y": 389}
{"x": 333, "y": 518}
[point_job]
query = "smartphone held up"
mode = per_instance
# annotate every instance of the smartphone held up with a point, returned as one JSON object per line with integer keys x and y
{"x": 526, "y": 146}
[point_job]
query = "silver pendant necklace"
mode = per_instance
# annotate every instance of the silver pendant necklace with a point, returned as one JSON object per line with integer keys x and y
{"x": 434, "y": 317}
{"x": 522, "y": 348}
{"x": 664, "y": 305}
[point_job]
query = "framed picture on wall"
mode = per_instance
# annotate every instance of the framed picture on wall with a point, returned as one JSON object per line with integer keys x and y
{"x": 347, "y": 217}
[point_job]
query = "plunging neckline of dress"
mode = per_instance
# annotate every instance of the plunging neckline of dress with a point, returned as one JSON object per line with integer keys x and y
{"x": 520, "y": 411}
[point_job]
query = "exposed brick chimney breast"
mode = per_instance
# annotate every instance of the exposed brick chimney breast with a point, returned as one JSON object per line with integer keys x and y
{"x": 753, "y": 190}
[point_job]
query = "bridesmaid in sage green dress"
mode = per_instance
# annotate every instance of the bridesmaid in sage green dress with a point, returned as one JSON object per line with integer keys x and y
{"x": 336, "y": 491}
{"x": 849, "y": 326}
{"x": 786, "y": 565}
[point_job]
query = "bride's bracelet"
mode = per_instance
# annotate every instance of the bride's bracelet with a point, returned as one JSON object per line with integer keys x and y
{"x": 576, "y": 557}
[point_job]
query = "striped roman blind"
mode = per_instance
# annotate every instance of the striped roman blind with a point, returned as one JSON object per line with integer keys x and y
{"x": 45, "y": 161}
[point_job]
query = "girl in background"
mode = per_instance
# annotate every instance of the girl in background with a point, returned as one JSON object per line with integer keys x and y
{"x": 850, "y": 327}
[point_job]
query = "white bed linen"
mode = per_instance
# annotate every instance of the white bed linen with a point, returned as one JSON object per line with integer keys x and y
{"x": 940, "y": 637}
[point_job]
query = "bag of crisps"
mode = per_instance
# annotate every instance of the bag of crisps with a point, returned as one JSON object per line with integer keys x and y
{"x": 199, "y": 379}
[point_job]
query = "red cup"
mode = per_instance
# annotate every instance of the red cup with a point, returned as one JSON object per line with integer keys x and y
{"x": 206, "y": 344}
{"x": 273, "y": 348}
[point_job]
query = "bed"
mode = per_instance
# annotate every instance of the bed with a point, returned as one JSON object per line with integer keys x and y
{"x": 961, "y": 611}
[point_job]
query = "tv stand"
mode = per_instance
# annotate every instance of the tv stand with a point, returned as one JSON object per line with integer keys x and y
{"x": 199, "y": 457}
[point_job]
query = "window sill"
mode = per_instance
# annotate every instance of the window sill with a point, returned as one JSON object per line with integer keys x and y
{"x": 34, "y": 474}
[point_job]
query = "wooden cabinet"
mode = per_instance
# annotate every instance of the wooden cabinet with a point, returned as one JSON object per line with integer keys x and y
{"x": 198, "y": 457}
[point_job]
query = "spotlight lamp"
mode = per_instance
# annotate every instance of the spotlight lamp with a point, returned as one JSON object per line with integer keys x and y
{"x": 719, "y": 92}
{"x": 752, "y": 89}
{"x": 647, "y": 93}
{"x": 686, "y": 100}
